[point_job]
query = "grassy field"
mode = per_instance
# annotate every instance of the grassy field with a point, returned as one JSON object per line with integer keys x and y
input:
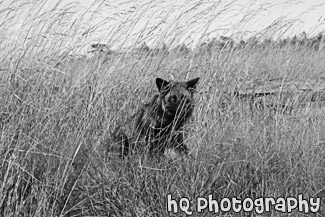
{"x": 57, "y": 112}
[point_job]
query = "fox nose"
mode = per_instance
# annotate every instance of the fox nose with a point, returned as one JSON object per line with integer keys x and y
{"x": 173, "y": 99}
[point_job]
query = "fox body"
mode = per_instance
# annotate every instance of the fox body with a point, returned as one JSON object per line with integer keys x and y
{"x": 158, "y": 124}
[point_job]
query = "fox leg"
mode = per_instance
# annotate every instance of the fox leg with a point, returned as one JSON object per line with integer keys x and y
{"x": 177, "y": 143}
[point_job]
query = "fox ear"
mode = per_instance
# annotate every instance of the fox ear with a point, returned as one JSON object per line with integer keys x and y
{"x": 161, "y": 84}
{"x": 191, "y": 84}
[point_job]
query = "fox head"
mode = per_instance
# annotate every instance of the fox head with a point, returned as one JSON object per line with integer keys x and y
{"x": 177, "y": 97}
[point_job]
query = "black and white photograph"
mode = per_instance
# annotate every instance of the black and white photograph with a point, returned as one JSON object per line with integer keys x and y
{"x": 152, "y": 108}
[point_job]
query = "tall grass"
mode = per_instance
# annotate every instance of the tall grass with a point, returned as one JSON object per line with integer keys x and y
{"x": 58, "y": 110}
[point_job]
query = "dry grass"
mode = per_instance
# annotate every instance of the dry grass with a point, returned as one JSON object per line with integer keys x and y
{"x": 57, "y": 112}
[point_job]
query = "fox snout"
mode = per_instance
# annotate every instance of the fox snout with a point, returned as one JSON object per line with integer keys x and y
{"x": 173, "y": 99}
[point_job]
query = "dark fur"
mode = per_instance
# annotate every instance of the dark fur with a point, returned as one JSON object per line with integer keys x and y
{"x": 158, "y": 123}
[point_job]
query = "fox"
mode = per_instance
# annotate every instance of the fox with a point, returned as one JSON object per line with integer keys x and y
{"x": 158, "y": 124}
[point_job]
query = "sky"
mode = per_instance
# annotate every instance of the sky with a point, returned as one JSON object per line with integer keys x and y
{"x": 227, "y": 17}
{"x": 129, "y": 22}
{"x": 311, "y": 13}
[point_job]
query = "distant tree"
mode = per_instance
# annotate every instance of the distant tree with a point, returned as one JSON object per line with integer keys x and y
{"x": 294, "y": 41}
{"x": 181, "y": 49}
{"x": 99, "y": 47}
{"x": 268, "y": 43}
{"x": 160, "y": 51}
{"x": 144, "y": 48}
{"x": 302, "y": 36}
{"x": 322, "y": 41}
{"x": 284, "y": 42}
{"x": 240, "y": 45}
{"x": 203, "y": 47}
{"x": 215, "y": 44}
{"x": 252, "y": 41}
{"x": 316, "y": 42}
{"x": 102, "y": 49}
{"x": 228, "y": 42}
